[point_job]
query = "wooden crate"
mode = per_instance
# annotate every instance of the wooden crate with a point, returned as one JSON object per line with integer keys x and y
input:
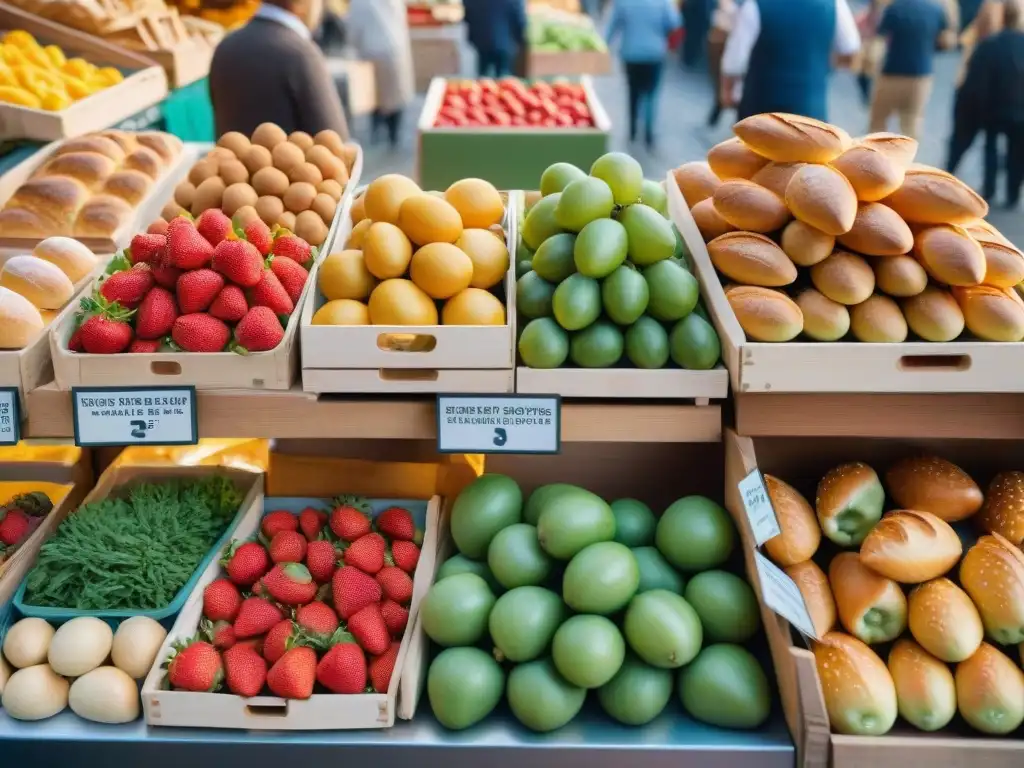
{"x": 567, "y": 63}
{"x": 185, "y": 63}
{"x": 846, "y": 367}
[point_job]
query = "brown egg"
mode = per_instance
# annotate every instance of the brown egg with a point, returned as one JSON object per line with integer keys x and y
{"x": 203, "y": 170}
{"x": 238, "y": 196}
{"x": 286, "y": 156}
{"x": 348, "y": 156}
{"x": 330, "y": 187}
{"x": 269, "y": 208}
{"x": 331, "y": 140}
{"x": 245, "y": 216}
{"x": 171, "y": 210}
{"x": 286, "y": 220}
{"x": 301, "y": 139}
{"x": 208, "y": 195}
{"x": 323, "y": 159}
{"x": 324, "y": 206}
{"x": 311, "y": 228}
{"x": 299, "y": 197}
{"x": 306, "y": 172}
{"x": 233, "y": 172}
{"x": 342, "y": 175}
{"x": 221, "y": 155}
{"x": 184, "y": 192}
{"x": 235, "y": 142}
{"x": 256, "y": 158}
{"x": 270, "y": 181}
{"x": 268, "y": 135}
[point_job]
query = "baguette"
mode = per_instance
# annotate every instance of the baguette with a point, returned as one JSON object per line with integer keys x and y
{"x": 786, "y": 138}
{"x": 817, "y": 594}
{"x": 1003, "y": 510}
{"x": 925, "y": 690}
{"x": 873, "y": 174}
{"x": 800, "y": 534}
{"x": 805, "y": 245}
{"x": 944, "y": 621}
{"x": 849, "y": 502}
{"x": 950, "y": 255}
{"x": 824, "y": 319}
{"x": 992, "y": 314}
{"x": 860, "y": 696}
{"x": 931, "y": 196}
{"x": 844, "y": 277}
{"x": 822, "y": 197}
{"x": 749, "y": 206}
{"x": 931, "y": 484}
{"x": 900, "y": 276}
{"x": 934, "y": 315}
{"x": 911, "y": 547}
{"x": 990, "y": 692}
{"x": 898, "y": 148}
{"x": 764, "y": 314}
{"x": 696, "y": 181}
{"x": 1004, "y": 263}
{"x": 732, "y": 159}
{"x": 878, "y": 320}
{"x": 878, "y": 231}
{"x": 992, "y": 572}
{"x": 776, "y": 176}
{"x": 871, "y": 607}
{"x": 709, "y": 221}
{"x": 751, "y": 259}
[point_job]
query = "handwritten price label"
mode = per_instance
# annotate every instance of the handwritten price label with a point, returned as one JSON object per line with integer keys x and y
{"x": 499, "y": 424}
{"x": 758, "y": 506}
{"x": 782, "y": 595}
{"x": 106, "y": 416}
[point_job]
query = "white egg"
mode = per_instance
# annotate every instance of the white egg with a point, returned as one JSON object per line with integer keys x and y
{"x": 136, "y": 644}
{"x": 35, "y": 693}
{"x": 105, "y": 695}
{"x": 28, "y": 642}
{"x": 80, "y": 646}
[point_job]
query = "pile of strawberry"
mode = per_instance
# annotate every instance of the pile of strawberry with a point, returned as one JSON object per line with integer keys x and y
{"x": 318, "y": 599}
{"x": 197, "y": 286}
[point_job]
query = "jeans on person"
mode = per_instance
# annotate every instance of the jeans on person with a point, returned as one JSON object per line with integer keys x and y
{"x": 643, "y": 79}
{"x": 965, "y": 130}
{"x": 391, "y": 121}
{"x": 493, "y": 63}
{"x": 1014, "y": 134}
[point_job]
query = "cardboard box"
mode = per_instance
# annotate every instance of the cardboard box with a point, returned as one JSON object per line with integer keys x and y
{"x": 567, "y": 63}
{"x": 436, "y": 52}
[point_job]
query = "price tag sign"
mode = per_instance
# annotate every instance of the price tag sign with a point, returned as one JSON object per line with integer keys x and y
{"x": 782, "y": 595}
{"x": 111, "y": 416}
{"x": 759, "y": 508}
{"x": 10, "y": 416}
{"x": 499, "y": 423}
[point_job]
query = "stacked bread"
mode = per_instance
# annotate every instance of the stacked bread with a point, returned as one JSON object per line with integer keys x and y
{"x": 90, "y": 186}
{"x": 816, "y": 233}
{"x": 900, "y": 586}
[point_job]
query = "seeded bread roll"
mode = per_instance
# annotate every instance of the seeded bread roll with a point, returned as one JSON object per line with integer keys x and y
{"x": 824, "y": 319}
{"x": 992, "y": 314}
{"x": 899, "y": 276}
{"x": 709, "y": 221}
{"x": 878, "y": 320}
{"x": 872, "y": 173}
{"x": 950, "y": 255}
{"x": 749, "y": 206}
{"x": 805, "y": 245}
{"x": 776, "y": 176}
{"x": 696, "y": 181}
{"x": 871, "y": 607}
{"x": 849, "y": 502}
{"x": 821, "y": 196}
{"x": 990, "y": 692}
{"x": 992, "y": 572}
{"x": 934, "y": 315}
{"x": 925, "y": 691}
{"x": 764, "y": 314}
{"x": 931, "y": 196}
{"x": 932, "y": 484}
{"x": 844, "y": 277}
{"x": 751, "y": 259}
{"x": 878, "y": 231}
{"x": 800, "y": 535}
{"x": 911, "y": 547}
{"x": 944, "y": 621}
{"x": 786, "y": 138}
{"x": 817, "y": 594}
{"x": 860, "y": 696}
{"x": 1003, "y": 510}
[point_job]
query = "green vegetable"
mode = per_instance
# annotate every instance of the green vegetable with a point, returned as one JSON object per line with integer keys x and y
{"x": 133, "y": 552}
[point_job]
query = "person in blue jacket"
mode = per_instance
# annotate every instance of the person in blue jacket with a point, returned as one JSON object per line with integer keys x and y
{"x": 497, "y": 30}
{"x": 644, "y": 27}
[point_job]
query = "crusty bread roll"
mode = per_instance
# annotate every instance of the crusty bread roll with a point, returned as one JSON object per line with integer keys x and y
{"x": 800, "y": 535}
{"x": 849, "y": 502}
{"x": 934, "y": 315}
{"x": 860, "y": 697}
{"x": 878, "y": 231}
{"x": 925, "y": 691}
{"x": 750, "y": 206}
{"x": 1004, "y": 263}
{"x": 990, "y": 692}
{"x": 897, "y": 147}
{"x": 39, "y": 281}
{"x": 871, "y": 171}
{"x": 871, "y": 607}
{"x": 992, "y": 314}
{"x": 776, "y": 176}
{"x": 94, "y": 142}
{"x": 90, "y": 168}
{"x": 950, "y": 255}
{"x": 878, "y": 320}
{"x": 764, "y": 314}
{"x": 979, "y": 228}
{"x": 844, "y": 277}
{"x": 817, "y": 594}
{"x": 821, "y": 196}
{"x": 1003, "y": 510}
{"x": 932, "y": 484}
{"x": 992, "y": 572}
{"x": 931, "y": 196}
{"x": 696, "y": 181}
{"x": 751, "y": 259}
{"x": 732, "y": 159}
{"x": 824, "y": 319}
{"x": 899, "y": 276}
{"x": 20, "y": 321}
{"x": 130, "y": 186}
{"x": 102, "y": 216}
{"x": 787, "y": 138}
{"x": 74, "y": 259}
{"x": 709, "y": 221}
{"x": 944, "y": 621}
{"x": 805, "y": 245}
{"x": 911, "y": 547}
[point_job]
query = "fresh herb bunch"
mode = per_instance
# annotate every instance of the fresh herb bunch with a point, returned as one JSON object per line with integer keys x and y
{"x": 132, "y": 553}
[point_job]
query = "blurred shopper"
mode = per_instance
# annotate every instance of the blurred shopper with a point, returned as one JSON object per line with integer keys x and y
{"x": 722, "y": 21}
{"x": 782, "y": 52}
{"x": 497, "y": 30}
{"x": 913, "y": 30}
{"x": 270, "y": 70}
{"x": 872, "y": 52}
{"x": 644, "y": 27}
{"x": 697, "y": 20}
{"x": 379, "y": 31}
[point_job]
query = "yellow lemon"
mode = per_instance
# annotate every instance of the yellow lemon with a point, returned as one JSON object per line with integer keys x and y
{"x": 359, "y": 209}
{"x": 344, "y": 275}
{"x": 355, "y": 238}
{"x": 55, "y": 55}
{"x": 473, "y": 306}
{"x": 400, "y": 302}
{"x": 477, "y": 201}
{"x": 110, "y": 75}
{"x": 441, "y": 270}
{"x": 426, "y": 219}
{"x": 342, "y": 312}
{"x": 384, "y": 197}
{"x": 387, "y": 250}
{"x": 55, "y": 102}
{"x": 20, "y": 39}
{"x": 488, "y": 254}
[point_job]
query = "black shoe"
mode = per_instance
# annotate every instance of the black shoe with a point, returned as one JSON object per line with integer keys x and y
{"x": 714, "y": 117}
{"x": 1013, "y": 204}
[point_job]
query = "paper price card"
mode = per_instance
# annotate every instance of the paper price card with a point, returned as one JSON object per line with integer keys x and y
{"x": 106, "y": 416}
{"x": 10, "y": 416}
{"x": 782, "y": 595}
{"x": 499, "y": 423}
{"x": 759, "y": 508}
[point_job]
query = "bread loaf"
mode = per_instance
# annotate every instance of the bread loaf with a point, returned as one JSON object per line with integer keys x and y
{"x": 992, "y": 572}
{"x": 805, "y": 245}
{"x": 844, "y": 277}
{"x": 898, "y": 148}
{"x": 732, "y": 159}
{"x": 822, "y": 197}
{"x": 931, "y": 484}
{"x": 878, "y": 231}
{"x": 899, "y": 276}
{"x": 950, "y": 255}
{"x": 944, "y": 621}
{"x": 925, "y": 691}
{"x": 764, "y": 314}
{"x": 871, "y": 607}
{"x": 849, "y": 502}
{"x": 696, "y": 181}
{"x": 872, "y": 173}
{"x": 990, "y": 692}
{"x": 751, "y": 259}
{"x": 878, "y": 320}
{"x": 981, "y": 229}
{"x": 787, "y": 138}
{"x": 910, "y": 546}
{"x": 817, "y": 594}
{"x": 1004, "y": 263}
{"x": 860, "y": 697}
{"x": 934, "y": 315}
{"x": 824, "y": 319}
{"x": 776, "y": 176}
{"x": 20, "y": 321}
{"x": 74, "y": 259}
{"x": 800, "y": 535}
{"x": 1003, "y": 510}
{"x": 931, "y": 196}
{"x": 990, "y": 313}
{"x": 709, "y": 221}
{"x": 749, "y": 206}
{"x": 39, "y": 281}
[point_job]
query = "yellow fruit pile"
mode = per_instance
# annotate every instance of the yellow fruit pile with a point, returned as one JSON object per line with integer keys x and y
{"x": 411, "y": 251}
{"x": 44, "y": 78}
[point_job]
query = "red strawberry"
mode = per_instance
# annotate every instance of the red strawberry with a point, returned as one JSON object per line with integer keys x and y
{"x": 294, "y": 674}
{"x": 288, "y": 547}
{"x": 405, "y": 555}
{"x": 214, "y": 225}
{"x": 258, "y": 331}
{"x": 367, "y": 553}
{"x": 221, "y": 601}
{"x": 369, "y": 629}
{"x": 239, "y": 262}
{"x": 349, "y": 520}
{"x": 277, "y": 521}
{"x": 311, "y": 522}
{"x": 258, "y": 233}
{"x": 158, "y": 227}
{"x": 353, "y": 590}
{"x": 279, "y": 639}
{"x": 320, "y": 560}
{"x": 256, "y": 617}
{"x": 148, "y": 248}
{"x": 106, "y": 330}
{"x": 13, "y": 527}
{"x": 164, "y": 274}
{"x": 269, "y": 292}
{"x": 230, "y": 304}
{"x": 396, "y": 584}
{"x": 245, "y": 671}
{"x": 245, "y": 562}
{"x": 128, "y": 288}
{"x": 220, "y": 633}
{"x": 197, "y": 290}
{"x": 396, "y": 523}
{"x": 144, "y": 346}
{"x": 196, "y": 666}
{"x": 343, "y": 667}
{"x": 254, "y": 643}
{"x": 292, "y": 247}
{"x": 292, "y": 276}
{"x": 156, "y": 314}
{"x": 200, "y": 333}
{"x": 186, "y": 248}
{"x": 318, "y": 621}
{"x": 395, "y": 617}
{"x": 383, "y": 667}
{"x": 290, "y": 584}
{"x": 75, "y": 342}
